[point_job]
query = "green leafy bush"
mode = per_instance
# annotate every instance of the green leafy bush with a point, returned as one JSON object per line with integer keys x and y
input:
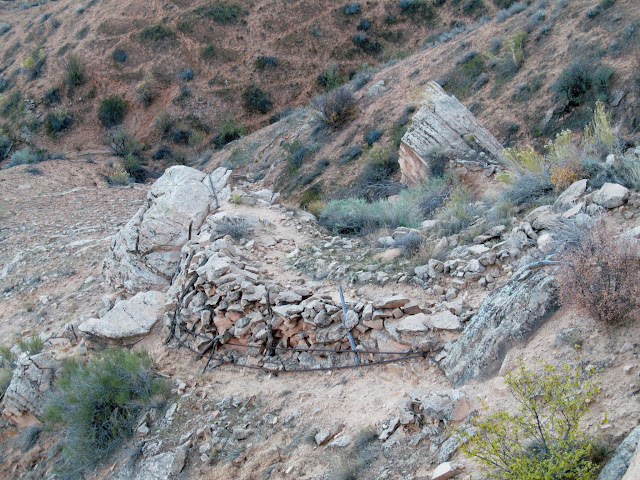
{"x": 5, "y": 380}
{"x": 542, "y": 440}
{"x": 582, "y": 81}
{"x": 263, "y": 62}
{"x": 122, "y": 143}
{"x": 418, "y": 9}
{"x": 97, "y": 404}
{"x": 228, "y": 131}
{"x": 56, "y": 122}
{"x": 256, "y": 100}
{"x": 208, "y": 52}
{"x": 112, "y": 111}
{"x": 331, "y": 78}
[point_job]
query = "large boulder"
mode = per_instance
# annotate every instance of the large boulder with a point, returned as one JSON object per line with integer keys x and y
{"x": 442, "y": 123}
{"x": 508, "y": 316}
{"x": 145, "y": 253}
{"x": 128, "y": 320}
{"x": 29, "y": 390}
{"x": 611, "y": 195}
{"x": 619, "y": 464}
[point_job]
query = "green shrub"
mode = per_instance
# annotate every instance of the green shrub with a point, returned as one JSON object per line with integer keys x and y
{"x": 32, "y": 345}
{"x": 165, "y": 124}
{"x": 157, "y": 33}
{"x": 8, "y": 357}
{"x": 457, "y": 213}
{"x": 263, "y": 62}
{"x": 75, "y": 69}
{"x": 256, "y": 100}
{"x": 26, "y": 155}
{"x": 97, "y": 404}
{"x": 10, "y": 104}
{"x": 542, "y": 440}
{"x": 52, "y": 97}
{"x": 582, "y": 81}
{"x": 122, "y": 143}
{"x": 208, "y": 52}
{"x": 112, "y": 111}
{"x": 5, "y": 144}
{"x": 56, "y": 122}
{"x": 146, "y": 91}
{"x": 461, "y": 79}
{"x": 417, "y": 9}
{"x": 222, "y": 12}
{"x": 336, "y": 107}
{"x": 34, "y": 64}
{"x": 331, "y": 78}
{"x": 228, "y": 131}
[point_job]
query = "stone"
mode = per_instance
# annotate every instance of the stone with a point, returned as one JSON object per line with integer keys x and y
{"x": 442, "y": 123}
{"x": 611, "y": 195}
{"x": 128, "y": 320}
{"x": 444, "y": 471}
{"x": 144, "y": 253}
{"x": 445, "y": 320}
{"x": 29, "y": 390}
{"x": 326, "y": 434}
{"x": 616, "y": 468}
{"x": 288, "y": 296}
{"x": 384, "y": 301}
{"x": 441, "y": 405}
{"x": 215, "y": 268}
{"x": 341, "y": 442}
{"x": 508, "y": 316}
{"x": 545, "y": 242}
{"x": 570, "y": 196}
{"x": 410, "y": 324}
{"x": 179, "y": 460}
{"x": 351, "y": 319}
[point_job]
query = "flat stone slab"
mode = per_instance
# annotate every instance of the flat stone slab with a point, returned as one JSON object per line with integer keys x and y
{"x": 129, "y": 319}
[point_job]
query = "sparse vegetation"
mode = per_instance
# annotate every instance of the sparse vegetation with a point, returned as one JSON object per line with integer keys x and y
{"x": 146, "y": 91}
{"x": 33, "y": 64}
{"x": 600, "y": 275}
{"x": 98, "y": 403}
{"x": 331, "y": 78}
{"x": 75, "y": 72}
{"x": 156, "y": 33}
{"x": 236, "y": 227}
{"x": 222, "y": 12}
{"x": 112, "y": 111}
{"x": 122, "y": 143}
{"x": 417, "y": 9}
{"x": 336, "y": 107}
{"x": 262, "y": 62}
{"x": 256, "y": 100}
{"x": 31, "y": 345}
{"x": 542, "y": 440}
{"x": 119, "y": 55}
{"x": 461, "y": 79}
{"x": 351, "y": 8}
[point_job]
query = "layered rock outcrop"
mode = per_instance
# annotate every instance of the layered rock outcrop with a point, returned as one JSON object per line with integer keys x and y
{"x": 443, "y": 123}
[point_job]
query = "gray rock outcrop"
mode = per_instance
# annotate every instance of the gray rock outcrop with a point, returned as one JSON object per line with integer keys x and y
{"x": 442, "y": 123}
{"x": 145, "y": 253}
{"x": 27, "y": 394}
{"x": 616, "y": 468}
{"x": 509, "y": 315}
{"x": 128, "y": 320}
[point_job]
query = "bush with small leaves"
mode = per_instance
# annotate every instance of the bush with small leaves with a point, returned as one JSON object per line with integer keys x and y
{"x": 583, "y": 80}
{"x": 157, "y": 33}
{"x": 228, "y": 131}
{"x": 187, "y": 74}
{"x": 52, "y": 97}
{"x": 336, "y": 107}
{"x": 122, "y": 143}
{"x": 261, "y": 63}
{"x": 119, "y": 55}
{"x": 31, "y": 345}
{"x": 4, "y": 28}
{"x": 351, "y": 8}
{"x": 56, "y": 122}
{"x": 146, "y": 91}
{"x": 462, "y": 78}
{"x": 542, "y": 440}
{"x": 112, "y": 111}
{"x": 331, "y": 78}
{"x": 119, "y": 176}
{"x": 97, "y": 404}
{"x": 33, "y": 64}
{"x": 600, "y": 275}
{"x": 362, "y": 41}
{"x": 256, "y": 100}
{"x": 181, "y": 137}
{"x": 26, "y": 155}
{"x": 165, "y": 124}
{"x": 208, "y": 52}
{"x": 417, "y": 9}
{"x": 5, "y": 145}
